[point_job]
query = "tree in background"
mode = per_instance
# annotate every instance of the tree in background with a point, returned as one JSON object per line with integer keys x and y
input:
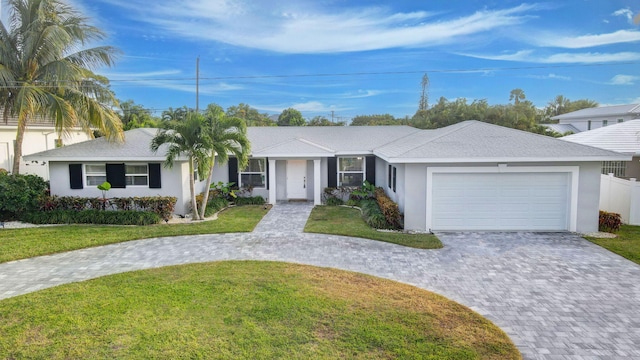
{"x": 561, "y": 105}
{"x": 186, "y": 137}
{"x": 177, "y": 114}
{"x": 516, "y": 96}
{"x": 291, "y": 117}
{"x": 226, "y": 135}
{"x": 45, "y": 70}
{"x": 370, "y": 120}
{"x": 250, "y": 115}
{"x": 323, "y": 121}
{"x": 135, "y": 116}
{"x": 424, "y": 96}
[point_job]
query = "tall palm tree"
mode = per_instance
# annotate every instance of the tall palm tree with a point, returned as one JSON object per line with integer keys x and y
{"x": 45, "y": 70}
{"x": 227, "y": 135}
{"x": 186, "y": 137}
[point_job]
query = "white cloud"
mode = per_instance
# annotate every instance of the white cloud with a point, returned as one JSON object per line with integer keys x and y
{"x": 563, "y": 58}
{"x": 624, "y": 80}
{"x": 361, "y": 94}
{"x": 289, "y": 26}
{"x": 585, "y": 41}
{"x": 549, "y": 76}
{"x": 627, "y": 13}
{"x": 304, "y": 107}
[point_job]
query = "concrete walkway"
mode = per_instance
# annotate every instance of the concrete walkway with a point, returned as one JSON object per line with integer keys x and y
{"x": 556, "y": 295}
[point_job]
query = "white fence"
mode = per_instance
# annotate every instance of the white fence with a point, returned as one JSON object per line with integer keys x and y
{"x": 621, "y": 196}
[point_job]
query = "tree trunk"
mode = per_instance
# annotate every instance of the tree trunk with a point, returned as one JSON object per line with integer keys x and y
{"x": 192, "y": 187}
{"x": 205, "y": 198}
{"x": 17, "y": 149}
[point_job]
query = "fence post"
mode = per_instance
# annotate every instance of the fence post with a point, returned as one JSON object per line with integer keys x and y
{"x": 634, "y": 203}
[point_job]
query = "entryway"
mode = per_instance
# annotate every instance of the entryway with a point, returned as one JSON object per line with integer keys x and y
{"x": 296, "y": 179}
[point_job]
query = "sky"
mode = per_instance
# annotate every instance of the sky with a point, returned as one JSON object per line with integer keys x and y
{"x": 345, "y": 58}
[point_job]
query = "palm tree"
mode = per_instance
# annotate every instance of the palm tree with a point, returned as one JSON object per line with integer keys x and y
{"x": 46, "y": 71}
{"x": 227, "y": 135}
{"x": 188, "y": 138}
{"x": 517, "y": 95}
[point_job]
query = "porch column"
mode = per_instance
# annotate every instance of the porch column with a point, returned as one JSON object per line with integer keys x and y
{"x": 317, "y": 200}
{"x": 272, "y": 182}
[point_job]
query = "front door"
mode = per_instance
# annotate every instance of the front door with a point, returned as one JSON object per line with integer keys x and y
{"x": 296, "y": 179}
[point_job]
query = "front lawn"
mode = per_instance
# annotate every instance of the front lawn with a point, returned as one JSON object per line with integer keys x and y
{"x": 627, "y": 244}
{"x": 340, "y": 220}
{"x": 25, "y": 243}
{"x": 244, "y": 310}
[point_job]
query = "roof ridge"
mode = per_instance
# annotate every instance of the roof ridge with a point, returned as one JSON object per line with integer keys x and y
{"x": 309, "y": 142}
{"x": 458, "y": 126}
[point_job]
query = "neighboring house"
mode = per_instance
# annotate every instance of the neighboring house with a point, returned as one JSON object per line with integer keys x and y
{"x": 623, "y": 138}
{"x": 597, "y": 117}
{"x": 468, "y": 176}
{"x": 39, "y": 136}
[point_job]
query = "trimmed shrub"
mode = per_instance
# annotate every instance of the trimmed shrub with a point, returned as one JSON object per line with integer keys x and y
{"x": 334, "y": 201}
{"x": 127, "y": 217}
{"x": 249, "y": 200}
{"x": 20, "y": 194}
{"x": 214, "y": 205}
{"x": 389, "y": 208}
{"x": 372, "y": 214}
{"x": 161, "y": 205}
{"x": 609, "y": 222}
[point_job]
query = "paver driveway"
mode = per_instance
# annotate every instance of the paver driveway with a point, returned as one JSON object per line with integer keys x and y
{"x": 556, "y": 295}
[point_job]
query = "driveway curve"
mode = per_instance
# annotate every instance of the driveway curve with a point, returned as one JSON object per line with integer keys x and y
{"x": 555, "y": 294}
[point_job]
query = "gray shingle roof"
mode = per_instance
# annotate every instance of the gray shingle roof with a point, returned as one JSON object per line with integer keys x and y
{"x": 622, "y": 137}
{"x": 136, "y": 146}
{"x": 601, "y": 112}
{"x": 562, "y": 128}
{"x": 475, "y": 141}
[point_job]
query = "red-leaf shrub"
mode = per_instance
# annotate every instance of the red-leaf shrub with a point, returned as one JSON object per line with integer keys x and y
{"x": 609, "y": 222}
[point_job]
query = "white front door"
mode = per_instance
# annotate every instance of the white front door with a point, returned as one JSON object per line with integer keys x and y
{"x": 296, "y": 179}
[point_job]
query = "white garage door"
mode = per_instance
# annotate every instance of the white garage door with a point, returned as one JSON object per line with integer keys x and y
{"x": 500, "y": 201}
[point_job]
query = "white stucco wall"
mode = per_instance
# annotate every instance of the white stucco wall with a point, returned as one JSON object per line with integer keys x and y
{"x": 36, "y": 139}
{"x": 413, "y": 178}
{"x": 582, "y": 124}
{"x": 172, "y": 185}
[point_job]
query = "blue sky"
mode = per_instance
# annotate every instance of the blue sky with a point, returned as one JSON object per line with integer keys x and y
{"x": 268, "y": 54}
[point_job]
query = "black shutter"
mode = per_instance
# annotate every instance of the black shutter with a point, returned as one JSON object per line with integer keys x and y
{"x": 75, "y": 176}
{"x": 266, "y": 160}
{"x": 389, "y": 175}
{"x": 332, "y": 172}
{"x": 233, "y": 171}
{"x": 154, "y": 176}
{"x": 116, "y": 176}
{"x": 371, "y": 169}
{"x": 395, "y": 179}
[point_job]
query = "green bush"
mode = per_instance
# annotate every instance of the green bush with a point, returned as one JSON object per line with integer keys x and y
{"x": 249, "y": 200}
{"x": 20, "y": 194}
{"x": 126, "y": 217}
{"x": 334, "y": 201}
{"x": 372, "y": 214}
{"x": 214, "y": 205}
{"x": 161, "y": 205}
{"x": 609, "y": 222}
{"x": 389, "y": 208}
{"x": 353, "y": 202}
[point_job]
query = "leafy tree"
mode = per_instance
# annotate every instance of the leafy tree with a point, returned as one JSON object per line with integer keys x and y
{"x": 323, "y": 121}
{"x": 250, "y": 115}
{"x": 562, "y": 105}
{"x": 135, "y": 116}
{"x": 291, "y": 117}
{"x": 186, "y": 137}
{"x": 45, "y": 70}
{"x": 226, "y": 135}
{"x": 177, "y": 114}
{"x": 370, "y": 120}
{"x": 516, "y": 96}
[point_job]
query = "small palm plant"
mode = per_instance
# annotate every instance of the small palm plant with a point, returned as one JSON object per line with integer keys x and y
{"x": 104, "y": 187}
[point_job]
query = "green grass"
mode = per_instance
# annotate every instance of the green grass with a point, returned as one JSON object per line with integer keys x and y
{"x": 627, "y": 244}
{"x": 244, "y": 310}
{"x": 339, "y": 220}
{"x": 24, "y": 243}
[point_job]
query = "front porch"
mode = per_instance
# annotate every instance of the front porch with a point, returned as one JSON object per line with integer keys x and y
{"x": 295, "y": 179}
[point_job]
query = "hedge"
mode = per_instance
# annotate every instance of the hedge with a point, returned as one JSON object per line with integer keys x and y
{"x": 389, "y": 208}
{"x": 125, "y": 217}
{"x": 609, "y": 222}
{"x": 249, "y": 200}
{"x": 163, "y": 206}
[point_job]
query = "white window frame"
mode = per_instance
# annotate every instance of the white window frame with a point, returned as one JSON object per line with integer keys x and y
{"x": 87, "y": 174}
{"x": 263, "y": 174}
{"x": 132, "y": 175}
{"x": 344, "y": 172}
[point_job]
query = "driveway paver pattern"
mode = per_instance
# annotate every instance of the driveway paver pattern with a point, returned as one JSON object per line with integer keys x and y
{"x": 555, "y": 294}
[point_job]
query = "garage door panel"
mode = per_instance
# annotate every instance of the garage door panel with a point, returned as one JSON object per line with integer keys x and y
{"x": 500, "y": 201}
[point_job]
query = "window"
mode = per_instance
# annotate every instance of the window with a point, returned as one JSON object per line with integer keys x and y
{"x": 617, "y": 168}
{"x": 392, "y": 178}
{"x": 605, "y": 123}
{"x": 96, "y": 174}
{"x": 136, "y": 175}
{"x": 351, "y": 171}
{"x": 589, "y": 125}
{"x": 254, "y": 175}
{"x": 620, "y": 120}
